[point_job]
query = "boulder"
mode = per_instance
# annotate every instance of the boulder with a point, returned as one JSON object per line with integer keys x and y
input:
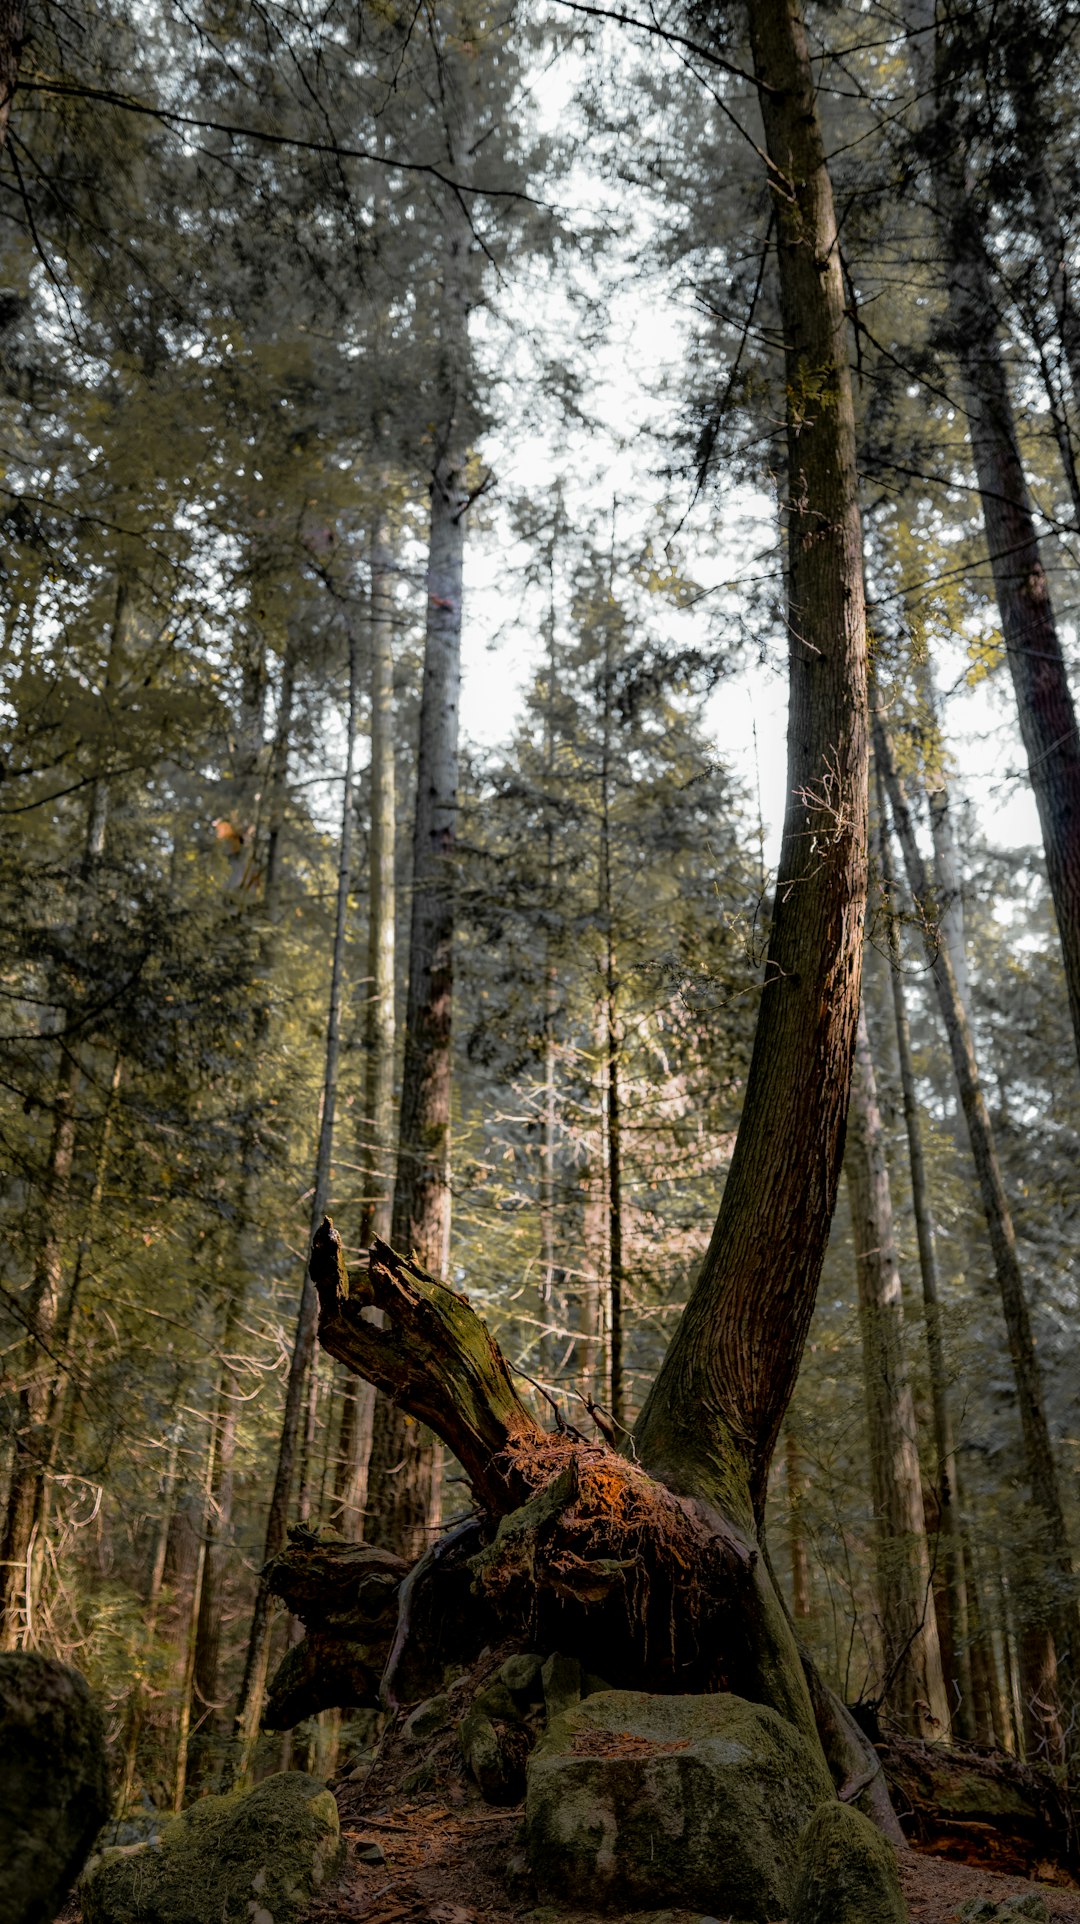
{"x": 846, "y": 1872}
{"x": 54, "y": 1791}
{"x": 248, "y": 1858}
{"x": 495, "y": 1754}
{"x": 639, "y": 1803}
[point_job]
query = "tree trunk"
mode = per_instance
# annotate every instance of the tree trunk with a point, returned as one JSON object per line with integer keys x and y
{"x": 137, "y": 1702}
{"x": 377, "y": 1141}
{"x": 249, "y": 1704}
{"x": 404, "y": 1474}
{"x": 567, "y": 1527}
{"x": 1060, "y": 1621}
{"x": 953, "y": 1626}
{"x": 738, "y": 1346}
{"x": 1043, "y": 698}
{"x": 610, "y": 1044}
{"x": 913, "y": 1686}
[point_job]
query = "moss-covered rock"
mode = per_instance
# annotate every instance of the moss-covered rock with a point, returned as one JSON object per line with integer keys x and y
{"x": 846, "y": 1872}
{"x": 54, "y": 1794}
{"x": 248, "y": 1858}
{"x": 495, "y": 1754}
{"x": 639, "y": 1802}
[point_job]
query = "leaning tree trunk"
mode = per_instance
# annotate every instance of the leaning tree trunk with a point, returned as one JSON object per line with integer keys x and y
{"x": 404, "y": 1470}
{"x": 736, "y": 1351}
{"x": 1059, "y": 1630}
{"x": 649, "y": 1562}
{"x": 1043, "y": 698}
{"x": 913, "y": 1685}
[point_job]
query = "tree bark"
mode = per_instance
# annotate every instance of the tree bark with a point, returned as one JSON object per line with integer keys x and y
{"x": 913, "y": 1685}
{"x": 252, "y": 1688}
{"x": 737, "y": 1349}
{"x": 800, "y": 1563}
{"x": 404, "y": 1474}
{"x": 1060, "y": 1623}
{"x": 1043, "y": 698}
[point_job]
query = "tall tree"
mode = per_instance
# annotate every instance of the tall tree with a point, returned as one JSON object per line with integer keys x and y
{"x": 1056, "y": 1636}
{"x": 738, "y": 1345}
{"x": 1044, "y": 701}
{"x": 402, "y": 1483}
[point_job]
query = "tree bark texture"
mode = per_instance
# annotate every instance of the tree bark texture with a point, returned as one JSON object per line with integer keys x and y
{"x": 1060, "y": 1621}
{"x": 913, "y": 1686}
{"x": 404, "y": 1472}
{"x": 1036, "y": 663}
{"x": 737, "y": 1349}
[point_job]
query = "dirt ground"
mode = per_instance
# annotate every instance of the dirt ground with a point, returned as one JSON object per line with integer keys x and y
{"x": 447, "y": 1863}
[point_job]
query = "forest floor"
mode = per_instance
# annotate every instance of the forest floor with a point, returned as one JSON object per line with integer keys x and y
{"x": 450, "y": 1861}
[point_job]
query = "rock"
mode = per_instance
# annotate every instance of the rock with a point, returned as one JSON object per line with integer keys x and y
{"x": 427, "y": 1720}
{"x": 498, "y": 1703}
{"x": 370, "y": 1851}
{"x": 636, "y": 1802}
{"x": 495, "y": 1756}
{"x": 54, "y": 1791}
{"x": 249, "y": 1858}
{"x": 1005, "y": 1910}
{"x": 521, "y": 1675}
{"x": 846, "y": 1872}
{"x": 561, "y": 1677}
{"x": 591, "y": 1685}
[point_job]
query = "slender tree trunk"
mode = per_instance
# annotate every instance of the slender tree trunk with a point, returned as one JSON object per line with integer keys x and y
{"x": 1043, "y": 697}
{"x": 1060, "y": 1622}
{"x": 548, "y": 1345}
{"x": 378, "y": 1142}
{"x": 12, "y": 34}
{"x": 914, "y": 1685}
{"x": 737, "y": 1349}
{"x": 405, "y": 1471}
{"x": 137, "y": 1702}
{"x": 279, "y": 765}
{"x": 953, "y": 1626}
{"x": 252, "y": 1688}
{"x": 357, "y": 1402}
{"x": 610, "y": 1044}
{"x": 217, "y": 1526}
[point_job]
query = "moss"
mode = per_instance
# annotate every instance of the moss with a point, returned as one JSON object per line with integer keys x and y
{"x": 640, "y": 1801}
{"x": 54, "y": 1794}
{"x": 248, "y": 1858}
{"x": 846, "y": 1872}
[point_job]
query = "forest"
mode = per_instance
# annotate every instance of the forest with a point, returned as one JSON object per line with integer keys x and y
{"x": 540, "y": 956}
